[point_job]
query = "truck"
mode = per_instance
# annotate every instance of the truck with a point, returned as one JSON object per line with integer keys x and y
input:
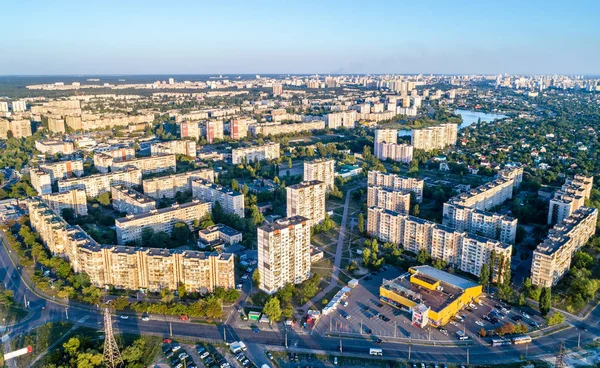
{"x": 237, "y": 347}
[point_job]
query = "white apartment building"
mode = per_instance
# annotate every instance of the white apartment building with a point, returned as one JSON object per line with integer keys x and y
{"x": 552, "y": 257}
{"x": 219, "y": 233}
{"x": 148, "y": 165}
{"x": 474, "y": 221}
{"x": 386, "y": 135}
{"x": 53, "y": 147}
{"x": 214, "y": 130}
{"x": 41, "y": 181}
{"x": 230, "y": 200}
{"x": 389, "y": 199}
{"x": 74, "y": 199}
{"x": 103, "y": 161}
{"x": 182, "y": 147}
{"x": 307, "y": 199}
{"x": 269, "y": 151}
{"x": 283, "y": 253}
{"x": 100, "y": 183}
{"x": 569, "y": 198}
{"x": 321, "y": 170}
{"x": 19, "y": 106}
{"x": 130, "y": 228}
{"x": 62, "y": 169}
{"x": 346, "y": 119}
{"x": 485, "y": 196}
{"x": 267, "y": 129}
{"x": 168, "y": 186}
{"x": 396, "y": 182}
{"x": 190, "y": 129}
{"x": 395, "y": 152}
{"x": 436, "y": 137}
{"x": 130, "y": 201}
{"x": 238, "y": 128}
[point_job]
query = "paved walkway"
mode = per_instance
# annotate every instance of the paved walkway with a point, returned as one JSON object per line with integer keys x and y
{"x": 338, "y": 257}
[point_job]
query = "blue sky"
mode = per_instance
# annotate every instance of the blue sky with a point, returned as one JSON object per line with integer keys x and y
{"x": 205, "y": 37}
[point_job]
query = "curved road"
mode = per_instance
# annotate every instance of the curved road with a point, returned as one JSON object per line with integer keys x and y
{"x": 89, "y": 316}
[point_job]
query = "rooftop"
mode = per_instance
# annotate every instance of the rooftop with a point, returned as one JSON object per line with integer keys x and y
{"x": 174, "y": 207}
{"x": 444, "y": 277}
{"x": 305, "y": 184}
{"x": 283, "y": 223}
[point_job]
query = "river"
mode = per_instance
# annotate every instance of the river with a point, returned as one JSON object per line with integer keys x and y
{"x": 468, "y": 117}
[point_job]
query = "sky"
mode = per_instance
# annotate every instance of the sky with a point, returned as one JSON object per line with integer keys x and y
{"x": 64, "y": 37}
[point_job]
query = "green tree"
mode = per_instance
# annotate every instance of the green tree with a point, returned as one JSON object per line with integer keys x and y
{"x": 423, "y": 256}
{"x": 290, "y": 163}
{"x": 256, "y": 278}
{"x": 181, "y": 233}
{"x": 235, "y": 185}
{"x": 416, "y": 210}
{"x": 104, "y": 199}
{"x": 68, "y": 214}
{"x": 134, "y": 353}
{"x": 120, "y": 303}
{"x": 166, "y": 296}
{"x": 361, "y": 223}
{"x": 556, "y": 318}
{"x": 72, "y": 346}
{"x": 484, "y": 275}
{"x": 272, "y": 309}
{"x": 545, "y": 301}
{"x": 206, "y": 221}
{"x": 181, "y": 291}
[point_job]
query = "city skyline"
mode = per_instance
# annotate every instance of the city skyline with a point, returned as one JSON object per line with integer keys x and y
{"x": 326, "y": 38}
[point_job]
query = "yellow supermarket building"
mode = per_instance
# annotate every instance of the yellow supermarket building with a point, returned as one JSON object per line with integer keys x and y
{"x": 430, "y": 295}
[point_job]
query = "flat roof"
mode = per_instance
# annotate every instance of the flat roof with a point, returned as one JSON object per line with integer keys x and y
{"x": 283, "y": 223}
{"x": 445, "y": 277}
{"x": 160, "y": 211}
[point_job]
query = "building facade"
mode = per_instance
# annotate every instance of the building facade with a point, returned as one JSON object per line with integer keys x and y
{"x": 569, "y": 198}
{"x": 321, "y": 170}
{"x": 189, "y": 129}
{"x": 63, "y": 169}
{"x": 41, "y": 181}
{"x": 130, "y": 201}
{"x": 100, "y": 183}
{"x": 214, "y": 130}
{"x": 396, "y": 182}
{"x": 395, "y": 200}
{"x": 230, "y": 200}
{"x": 269, "y": 151}
{"x": 283, "y": 253}
{"x": 167, "y": 186}
{"x": 182, "y": 147}
{"x": 393, "y": 151}
{"x": 474, "y": 221}
{"x": 307, "y": 199}
{"x": 148, "y": 165}
{"x": 74, "y": 199}
{"x": 435, "y": 137}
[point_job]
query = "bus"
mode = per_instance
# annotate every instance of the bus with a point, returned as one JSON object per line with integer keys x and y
{"x": 377, "y": 352}
{"x": 521, "y": 340}
{"x": 501, "y": 342}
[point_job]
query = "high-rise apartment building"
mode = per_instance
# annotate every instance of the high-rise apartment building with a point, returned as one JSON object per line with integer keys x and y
{"x": 307, "y": 199}
{"x": 181, "y": 147}
{"x": 322, "y": 170}
{"x": 389, "y": 199}
{"x": 19, "y": 128}
{"x": 485, "y": 196}
{"x": 19, "y": 106}
{"x": 189, "y": 129}
{"x": 238, "y": 128}
{"x": 436, "y": 137}
{"x": 393, "y": 151}
{"x": 74, "y": 199}
{"x": 41, "y": 181}
{"x": 386, "y": 135}
{"x": 3, "y": 106}
{"x": 100, "y": 183}
{"x": 474, "y": 221}
{"x": 230, "y": 200}
{"x": 552, "y": 257}
{"x": 268, "y": 151}
{"x": 130, "y": 228}
{"x": 396, "y": 182}
{"x": 168, "y": 186}
{"x": 569, "y": 198}
{"x": 277, "y": 89}
{"x": 283, "y": 253}
{"x": 148, "y": 165}
{"x": 103, "y": 161}
{"x": 63, "y": 169}
{"x": 130, "y": 201}
{"x": 214, "y": 130}
{"x": 131, "y": 267}
{"x": 345, "y": 119}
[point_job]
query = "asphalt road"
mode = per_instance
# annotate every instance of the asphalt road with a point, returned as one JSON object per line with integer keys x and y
{"x": 55, "y": 311}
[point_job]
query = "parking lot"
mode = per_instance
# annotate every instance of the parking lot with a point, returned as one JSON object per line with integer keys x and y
{"x": 365, "y": 314}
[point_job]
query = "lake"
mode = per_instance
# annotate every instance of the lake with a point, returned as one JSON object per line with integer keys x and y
{"x": 468, "y": 117}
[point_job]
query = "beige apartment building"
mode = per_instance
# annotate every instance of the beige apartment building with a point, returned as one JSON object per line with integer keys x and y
{"x": 230, "y": 200}
{"x": 552, "y": 257}
{"x": 396, "y": 182}
{"x": 219, "y": 233}
{"x": 167, "y": 186}
{"x": 322, "y": 170}
{"x": 307, "y": 199}
{"x": 474, "y": 221}
{"x": 190, "y": 129}
{"x": 74, "y": 199}
{"x": 53, "y": 147}
{"x": 435, "y": 137}
{"x": 515, "y": 173}
{"x": 182, "y": 147}
{"x": 214, "y": 130}
{"x": 389, "y": 199}
{"x": 148, "y": 165}
{"x": 386, "y": 135}
{"x": 465, "y": 251}
{"x": 130, "y": 228}
{"x": 393, "y": 151}
{"x": 267, "y": 129}
{"x": 131, "y": 268}
{"x": 269, "y": 151}
{"x": 103, "y": 161}
{"x": 283, "y": 253}
{"x": 485, "y": 196}
{"x": 41, "y": 181}
{"x": 100, "y": 183}
{"x": 130, "y": 201}
{"x": 345, "y": 119}
{"x": 63, "y": 169}
{"x": 569, "y": 198}
{"x": 19, "y": 128}
{"x": 238, "y": 128}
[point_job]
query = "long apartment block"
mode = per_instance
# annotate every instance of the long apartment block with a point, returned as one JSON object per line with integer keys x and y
{"x": 130, "y": 228}
{"x": 474, "y": 221}
{"x": 485, "y": 196}
{"x": 63, "y": 169}
{"x": 267, "y": 129}
{"x": 389, "y": 199}
{"x": 41, "y": 181}
{"x": 168, "y": 186}
{"x": 100, "y": 183}
{"x": 322, "y": 170}
{"x": 181, "y": 147}
{"x": 396, "y": 182}
{"x": 131, "y": 267}
{"x": 148, "y": 165}
{"x": 435, "y": 137}
{"x": 130, "y": 201}
{"x": 552, "y": 257}
{"x": 103, "y": 161}
{"x": 569, "y": 198}
{"x": 466, "y": 251}
{"x": 283, "y": 253}
{"x": 269, "y": 151}
{"x": 231, "y": 200}
{"x": 74, "y": 199}
{"x": 394, "y": 151}
{"x": 307, "y": 199}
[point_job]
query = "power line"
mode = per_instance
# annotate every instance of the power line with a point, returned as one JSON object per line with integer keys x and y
{"x": 112, "y": 356}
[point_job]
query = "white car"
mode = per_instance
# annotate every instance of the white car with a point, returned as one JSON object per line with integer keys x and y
{"x": 145, "y": 318}
{"x": 124, "y": 317}
{"x": 479, "y": 323}
{"x": 526, "y": 315}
